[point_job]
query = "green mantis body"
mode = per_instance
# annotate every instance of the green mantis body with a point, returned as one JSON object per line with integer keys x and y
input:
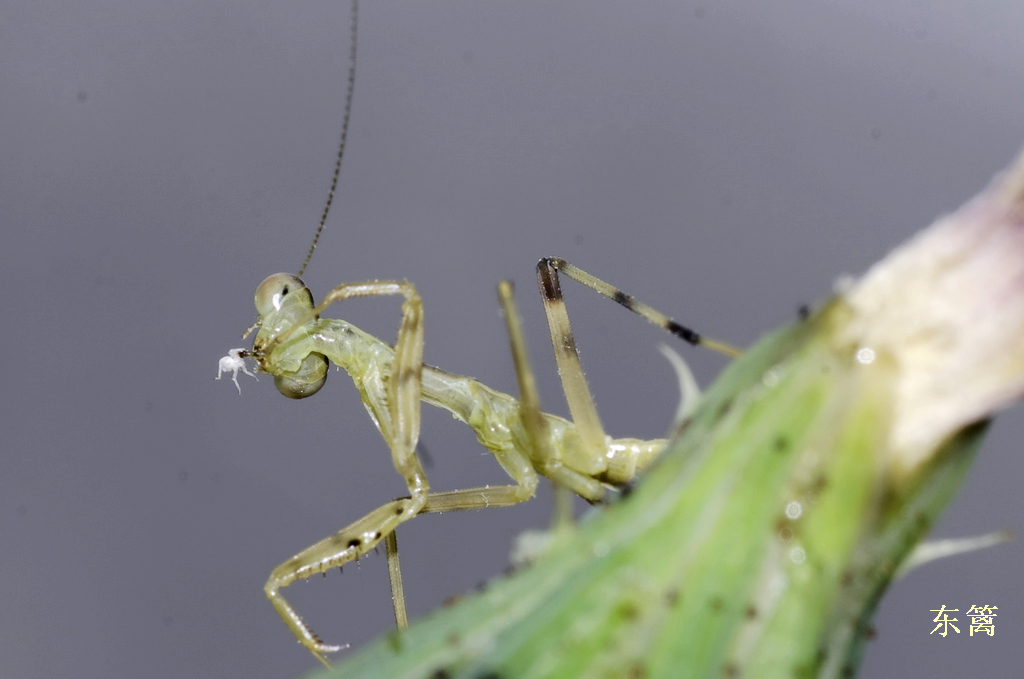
{"x": 295, "y": 345}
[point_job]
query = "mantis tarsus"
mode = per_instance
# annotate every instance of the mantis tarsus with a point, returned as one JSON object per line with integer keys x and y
{"x": 295, "y": 345}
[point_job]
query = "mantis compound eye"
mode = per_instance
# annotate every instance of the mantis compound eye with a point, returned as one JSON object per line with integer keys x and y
{"x": 305, "y": 381}
{"x": 272, "y": 291}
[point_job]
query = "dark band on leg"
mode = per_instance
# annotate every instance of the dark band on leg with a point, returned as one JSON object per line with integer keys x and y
{"x": 548, "y": 283}
{"x": 683, "y": 333}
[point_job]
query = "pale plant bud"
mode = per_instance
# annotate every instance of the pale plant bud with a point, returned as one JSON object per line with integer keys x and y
{"x": 948, "y": 308}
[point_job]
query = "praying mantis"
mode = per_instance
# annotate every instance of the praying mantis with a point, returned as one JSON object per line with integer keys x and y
{"x": 542, "y": 615}
{"x": 295, "y": 345}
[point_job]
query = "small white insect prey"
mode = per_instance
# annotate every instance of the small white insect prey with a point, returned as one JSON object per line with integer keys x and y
{"x": 232, "y": 363}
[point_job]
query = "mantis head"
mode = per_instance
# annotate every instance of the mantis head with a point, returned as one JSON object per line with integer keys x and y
{"x": 285, "y": 308}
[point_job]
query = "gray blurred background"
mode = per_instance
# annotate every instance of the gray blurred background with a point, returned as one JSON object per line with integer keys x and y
{"x": 160, "y": 159}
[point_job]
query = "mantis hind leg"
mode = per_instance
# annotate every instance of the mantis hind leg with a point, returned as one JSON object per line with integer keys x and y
{"x": 545, "y": 455}
{"x": 574, "y": 383}
{"x": 530, "y": 544}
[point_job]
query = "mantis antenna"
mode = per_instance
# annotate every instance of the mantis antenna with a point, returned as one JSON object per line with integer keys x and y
{"x": 344, "y": 132}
